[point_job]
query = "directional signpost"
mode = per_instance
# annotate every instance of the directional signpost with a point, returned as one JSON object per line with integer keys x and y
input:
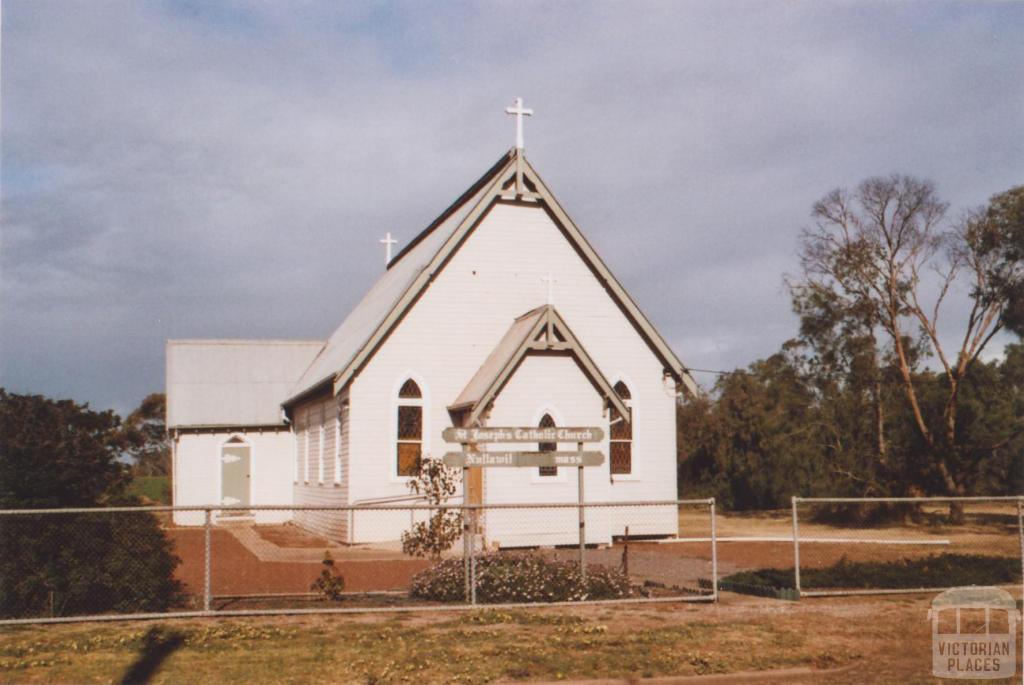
{"x": 524, "y": 459}
{"x": 521, "y": 434}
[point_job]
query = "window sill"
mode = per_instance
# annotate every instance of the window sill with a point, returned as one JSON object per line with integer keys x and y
{"x": 560, "y": 478}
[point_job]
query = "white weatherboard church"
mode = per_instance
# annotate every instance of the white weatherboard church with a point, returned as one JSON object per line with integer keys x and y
{"x": 499, "y": 313}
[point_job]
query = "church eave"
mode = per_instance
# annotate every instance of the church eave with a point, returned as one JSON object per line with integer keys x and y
{"x": 547, "y": 333}
{"x": 323, "y": 387}
{"x": 418, "y": 286}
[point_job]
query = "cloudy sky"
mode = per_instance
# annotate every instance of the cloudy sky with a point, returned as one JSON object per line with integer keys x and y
{"x": 225, "y": 169}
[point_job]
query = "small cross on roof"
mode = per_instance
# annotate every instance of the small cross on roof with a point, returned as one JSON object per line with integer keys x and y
{"x": 519, "y": 112}
{"x": 387, "y": 241}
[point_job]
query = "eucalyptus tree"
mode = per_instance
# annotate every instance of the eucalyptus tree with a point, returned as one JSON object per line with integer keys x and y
{"x": 878, "y": 266}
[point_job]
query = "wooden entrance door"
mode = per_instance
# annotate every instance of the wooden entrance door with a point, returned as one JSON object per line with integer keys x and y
{"x": 475, "y": 489}
{"x": 235, "y": 476}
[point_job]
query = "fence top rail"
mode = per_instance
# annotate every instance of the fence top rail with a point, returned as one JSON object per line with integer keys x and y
{"x": 871, "y": 500}
{"x": 378, "y": 508}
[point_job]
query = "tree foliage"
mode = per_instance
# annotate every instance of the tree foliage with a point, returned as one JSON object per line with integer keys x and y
{"x": 60, "y": 454}
{"x": 145, "y": 437}
{"x": 871, "y": 397}
{"x": 57, "y": 453}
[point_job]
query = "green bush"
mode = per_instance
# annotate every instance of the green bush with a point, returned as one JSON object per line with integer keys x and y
{"x": 74, "y": 564}
{"x": 518, "y": 577}
{"x": 943, "y": 570}
{"x": 57, "y": 454}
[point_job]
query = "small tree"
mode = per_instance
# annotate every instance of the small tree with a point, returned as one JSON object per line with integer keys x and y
{"x": 144, "y": 433}
{"x": 436, "y": 483}
{"x": 330, "y": 583}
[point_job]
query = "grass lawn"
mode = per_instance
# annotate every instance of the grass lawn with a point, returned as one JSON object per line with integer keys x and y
{"x": 884, "y": 640}
{"x": 155, "y": 488}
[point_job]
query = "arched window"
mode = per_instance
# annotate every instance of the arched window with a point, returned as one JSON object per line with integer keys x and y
{"x": 409, "y": 439}
{"x": 621, "y": 434}
{"x": 547, "y": 422}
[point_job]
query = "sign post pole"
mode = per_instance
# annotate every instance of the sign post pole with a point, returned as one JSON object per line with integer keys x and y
{"x": 583, "y": 523}
{"x": 465, "y": 529}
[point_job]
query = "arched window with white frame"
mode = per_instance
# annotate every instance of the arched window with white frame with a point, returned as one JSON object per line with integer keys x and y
{"x": 409, "y": 429}
{"x": 547, "y": 422}
{"x": 620, "y": 434}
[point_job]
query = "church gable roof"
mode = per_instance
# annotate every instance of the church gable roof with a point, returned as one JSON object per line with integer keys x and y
{"x": 540, "y": 330}
{"x": 412, "y": 270}
{"x": 387, "y": 294}
{"x": 236, "y": 383}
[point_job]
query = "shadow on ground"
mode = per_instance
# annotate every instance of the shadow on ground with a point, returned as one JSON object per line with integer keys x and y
{"x": 157, "y": 645}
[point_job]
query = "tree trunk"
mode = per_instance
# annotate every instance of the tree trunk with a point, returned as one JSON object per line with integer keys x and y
{"x": 880, "y": 445}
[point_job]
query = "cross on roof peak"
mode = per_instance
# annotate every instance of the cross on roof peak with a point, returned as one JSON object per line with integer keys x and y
{"x": 387, "y": 241}
{"x": 519, "y": 112}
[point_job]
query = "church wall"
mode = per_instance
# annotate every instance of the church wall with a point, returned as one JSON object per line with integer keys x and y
{"x": 552, "y": 385}
{"x": 494, "y": 278}
{"x": 197, "y": 472}
{"x": 313, "y": 475}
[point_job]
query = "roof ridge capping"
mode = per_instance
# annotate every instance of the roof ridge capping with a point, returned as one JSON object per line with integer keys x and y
{"x": 247, "y": 341}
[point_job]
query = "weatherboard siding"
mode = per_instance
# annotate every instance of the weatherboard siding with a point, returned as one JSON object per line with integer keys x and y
{"x": 442, "y": 341}
{"x": 310, "y": 416}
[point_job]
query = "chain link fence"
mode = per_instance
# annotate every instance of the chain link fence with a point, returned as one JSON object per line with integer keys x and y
{"x": 845, "y": 546}
{"x": 79, "y": 564}
{"x": 74, "y": 564}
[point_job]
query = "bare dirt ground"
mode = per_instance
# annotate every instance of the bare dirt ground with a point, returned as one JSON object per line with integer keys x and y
{"x": 237, "y": 571}
{"x": 988, "y": 529}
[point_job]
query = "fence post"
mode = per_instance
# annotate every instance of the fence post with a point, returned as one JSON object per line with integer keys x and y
{"x": 472, "y": 557}
{"x": 1020, "y": 536}
{"x": 207, "y": 594}
{"x": 714, "y": 554}
{"x": 465, "y": 530}
{"x": 796, "y": 548}
{"x": 583, "y": 524}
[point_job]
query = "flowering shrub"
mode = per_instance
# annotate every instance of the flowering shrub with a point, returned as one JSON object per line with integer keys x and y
{"x": 519, "y": 578}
